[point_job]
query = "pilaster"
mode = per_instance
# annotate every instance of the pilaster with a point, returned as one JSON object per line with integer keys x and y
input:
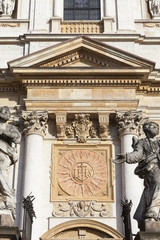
{"x": 103, "y": 125}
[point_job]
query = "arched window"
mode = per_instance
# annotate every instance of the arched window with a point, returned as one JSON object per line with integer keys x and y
{"x": 82, "y": 10}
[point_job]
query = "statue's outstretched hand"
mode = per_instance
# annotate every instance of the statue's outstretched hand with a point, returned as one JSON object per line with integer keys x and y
{"x": 120, "y": 158}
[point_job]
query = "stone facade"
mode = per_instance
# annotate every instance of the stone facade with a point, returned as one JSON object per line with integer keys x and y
{"x": 78, "y": 91}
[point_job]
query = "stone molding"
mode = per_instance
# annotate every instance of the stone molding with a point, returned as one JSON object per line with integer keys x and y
{"x": 35, "y": 122}
{"x": 130, "y": 122}
{"x": 81, "y": 82}
{"x": 82, "y": 209}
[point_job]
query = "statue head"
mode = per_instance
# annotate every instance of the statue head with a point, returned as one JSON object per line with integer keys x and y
{"x": 5, "y": 113}
{"x": 151, "y": 129}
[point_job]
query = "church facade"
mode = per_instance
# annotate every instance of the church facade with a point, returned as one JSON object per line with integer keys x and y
{"x": 79, "y": 77}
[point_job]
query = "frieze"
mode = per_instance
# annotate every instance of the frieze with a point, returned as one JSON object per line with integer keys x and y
{"x": 83, "y": 82}
{"x": 82, "y": 208}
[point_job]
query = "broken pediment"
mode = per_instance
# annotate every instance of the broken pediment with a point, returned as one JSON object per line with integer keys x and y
{"x": 84, "y": 52}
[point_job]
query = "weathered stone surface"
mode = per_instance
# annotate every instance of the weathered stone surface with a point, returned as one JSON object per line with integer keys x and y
{"x": 9, "y": 233}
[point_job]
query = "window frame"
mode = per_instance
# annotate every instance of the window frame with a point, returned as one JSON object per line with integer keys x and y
{"x": 89, "y": 9}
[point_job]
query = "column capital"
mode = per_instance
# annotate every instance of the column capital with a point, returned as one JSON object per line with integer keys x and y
{"x": 35, "y": 122}
{"x": 130, "y": 122}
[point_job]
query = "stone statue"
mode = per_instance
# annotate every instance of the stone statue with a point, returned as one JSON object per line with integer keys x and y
{"x": 7, "y": 7}
{"x": 146, "y": 152}
{"x": 9, "y": 136}
{"x": 154, "y": 7}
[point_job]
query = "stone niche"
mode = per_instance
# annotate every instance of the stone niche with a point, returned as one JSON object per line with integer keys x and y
{"x": 82, "y": 172}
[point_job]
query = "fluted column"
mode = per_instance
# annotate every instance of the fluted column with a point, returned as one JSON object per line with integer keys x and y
{"x": 35, "y": 124}
{"x": 129, "y": 126}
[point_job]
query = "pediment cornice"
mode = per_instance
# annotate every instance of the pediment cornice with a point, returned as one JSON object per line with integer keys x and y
{"x": 81, "y": 47}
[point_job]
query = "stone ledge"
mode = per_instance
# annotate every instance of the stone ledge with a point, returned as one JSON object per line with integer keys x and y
{"x": 9, "y": 233}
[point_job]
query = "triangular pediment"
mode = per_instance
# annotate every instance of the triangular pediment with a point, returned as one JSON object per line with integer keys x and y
{"x": 81, "y": 52}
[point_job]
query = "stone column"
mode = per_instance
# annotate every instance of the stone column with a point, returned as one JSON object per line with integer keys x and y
{"x": 129, "y": 126}
{"x": 108, "y": 15}
{"x": 35, "y": 124}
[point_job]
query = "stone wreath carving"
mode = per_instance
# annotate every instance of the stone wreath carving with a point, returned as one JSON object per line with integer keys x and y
{"x": 82, "y": 209}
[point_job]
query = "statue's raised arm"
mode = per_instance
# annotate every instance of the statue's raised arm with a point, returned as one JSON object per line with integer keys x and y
{"x": 146, "y": 152}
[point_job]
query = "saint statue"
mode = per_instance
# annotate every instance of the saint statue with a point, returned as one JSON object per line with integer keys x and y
{"x": 146, "y": 152}
{"x": 154, "y": 6}
{"x": 9, "y": 136}
{"x": 7, "y": 7}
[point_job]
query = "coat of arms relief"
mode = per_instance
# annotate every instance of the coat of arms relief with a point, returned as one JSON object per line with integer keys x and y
{"x": 82, "y": 127}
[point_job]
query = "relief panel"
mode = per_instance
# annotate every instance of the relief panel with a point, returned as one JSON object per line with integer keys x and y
{"x": 82, "y": 172}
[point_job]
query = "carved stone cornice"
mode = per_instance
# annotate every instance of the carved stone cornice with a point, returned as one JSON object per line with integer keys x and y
{"x": 82, "y": 82}
{"x": 130, "y": 122}
{"x": 35, "y": 122}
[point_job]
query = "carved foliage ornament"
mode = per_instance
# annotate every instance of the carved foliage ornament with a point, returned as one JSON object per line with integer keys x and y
{"x": 130, "y": 122}
{"x": 82, "y": 209}
{"x": 7, "y": 7}
{"x": 35, "y": 122}
{"x": 82, "y": 173}
{"x": 154, "y": 7}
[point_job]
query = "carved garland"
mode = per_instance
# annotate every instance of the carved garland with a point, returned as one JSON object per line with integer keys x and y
{"x": 82, "y": 209}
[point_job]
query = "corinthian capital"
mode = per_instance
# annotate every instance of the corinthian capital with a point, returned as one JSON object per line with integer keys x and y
{"x": 35, "y": 122}
{"x": 130, "y": 122}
